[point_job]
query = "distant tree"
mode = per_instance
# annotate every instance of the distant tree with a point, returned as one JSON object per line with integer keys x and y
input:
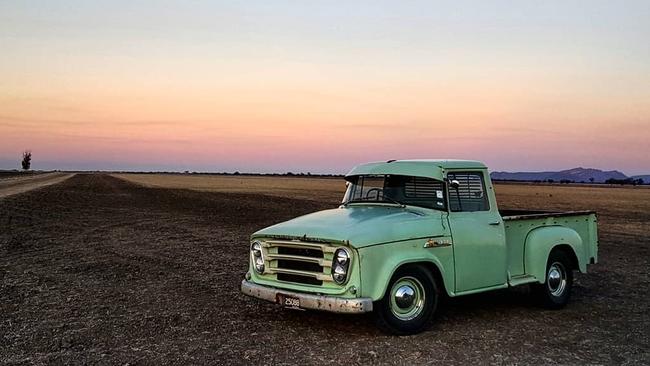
{"x": 591, "y": 179}
{"x": 27, "y": 160}
{"x": 625, "y": 181}
{"x": 236, "y": 173}
{"x": 550, "y": 180}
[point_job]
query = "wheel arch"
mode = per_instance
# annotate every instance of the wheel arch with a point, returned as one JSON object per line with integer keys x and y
{"x": 568, "y": 250}
{"x": 379, "y": 263}
{"x": 542, "y": 241}
{"x": 430, "y": 265}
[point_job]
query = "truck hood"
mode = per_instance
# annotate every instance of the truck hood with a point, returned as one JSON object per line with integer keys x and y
{"x": 362, "y": 225}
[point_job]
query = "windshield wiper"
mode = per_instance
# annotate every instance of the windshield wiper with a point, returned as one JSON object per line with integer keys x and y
{"x": 391, "y": 200}
{"x": 394, "y": 201}
{"x": 384, "y": 199}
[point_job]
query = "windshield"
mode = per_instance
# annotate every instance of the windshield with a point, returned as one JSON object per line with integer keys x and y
{"x": 400, "y": 189}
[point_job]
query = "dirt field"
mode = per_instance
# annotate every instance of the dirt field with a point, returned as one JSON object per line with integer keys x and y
{"x": 322, "y": 189}
{"x": 19, "y": 183}
{"x": 99, "y": 270}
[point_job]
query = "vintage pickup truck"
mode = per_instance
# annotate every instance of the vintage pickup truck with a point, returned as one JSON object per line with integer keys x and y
{"x": 408, "y": 234}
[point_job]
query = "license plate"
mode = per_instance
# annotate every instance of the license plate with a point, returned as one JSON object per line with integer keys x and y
{"x": 288, "y": 301}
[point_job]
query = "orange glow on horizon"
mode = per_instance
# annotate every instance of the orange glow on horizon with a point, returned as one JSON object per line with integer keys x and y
{"x": 308, "y": 97}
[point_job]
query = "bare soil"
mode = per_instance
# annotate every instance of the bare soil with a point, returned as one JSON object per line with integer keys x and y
{"x": 19, "y": 183}
{"x": 102, "y": 271}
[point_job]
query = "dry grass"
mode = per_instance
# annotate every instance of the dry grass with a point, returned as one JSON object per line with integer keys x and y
{"x": 612, "y": 200}
{"x": 320, "y": 189}
{"x": 25, "y": 182}
{"x": 622, "y": 209}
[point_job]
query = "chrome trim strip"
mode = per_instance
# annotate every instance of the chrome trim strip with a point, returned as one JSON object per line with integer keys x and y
{"x": 317, "y": 275}
{"x": 300, "y": 244}
{"x": 321, "y": 261}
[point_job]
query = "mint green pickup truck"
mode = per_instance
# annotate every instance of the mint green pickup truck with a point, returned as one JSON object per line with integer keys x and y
{"x": 408, "y": 234}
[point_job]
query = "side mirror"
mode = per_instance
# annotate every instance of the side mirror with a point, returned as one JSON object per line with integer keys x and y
{"x": 454, "y": 184}
{"x": 347, "y": 192}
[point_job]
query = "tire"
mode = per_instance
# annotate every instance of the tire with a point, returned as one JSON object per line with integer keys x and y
{"x": 555, "y": 292}
{"x": 410, "y": 301}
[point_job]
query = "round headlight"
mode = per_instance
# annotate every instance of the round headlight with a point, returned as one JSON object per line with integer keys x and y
{"x": 258, "y": 260}
{"x": 342, "y": 257}
{"x": 256, "y": 248}
{"x": 340, "y": 265}
{"x": 259, "y": 265}
{"x": 340, "y": 270}
{"x": 338, "y": 278}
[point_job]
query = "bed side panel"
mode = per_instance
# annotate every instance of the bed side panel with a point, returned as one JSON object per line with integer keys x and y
{"x": 518, "y": 231}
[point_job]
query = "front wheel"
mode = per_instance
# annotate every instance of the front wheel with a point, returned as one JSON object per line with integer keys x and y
{"x": 409, "y": 303}
{"x": 555, "y": 292}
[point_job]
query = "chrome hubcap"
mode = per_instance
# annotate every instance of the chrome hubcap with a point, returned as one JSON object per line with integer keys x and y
{"x": 556, "y": 279}
{"x": 407, "y": 298}
{"x": 404, "y": 296}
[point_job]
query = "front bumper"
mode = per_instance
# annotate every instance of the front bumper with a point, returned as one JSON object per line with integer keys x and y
{"x": 309, "y": 301}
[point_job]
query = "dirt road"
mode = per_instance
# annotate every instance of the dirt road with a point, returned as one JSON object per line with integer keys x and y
{"x": 99, "y": 270}
{"x": 20, "y": 184}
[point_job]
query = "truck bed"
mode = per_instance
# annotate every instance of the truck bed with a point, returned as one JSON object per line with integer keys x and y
{"x": 509, "y": 215}
{"x": 519, "y": 223}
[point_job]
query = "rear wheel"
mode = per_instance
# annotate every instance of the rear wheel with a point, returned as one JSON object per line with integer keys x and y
{"x": 409, "y": 303}
{"x": 555, "y": 292}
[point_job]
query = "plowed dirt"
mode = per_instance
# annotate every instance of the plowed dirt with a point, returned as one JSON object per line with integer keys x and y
{"x": 97, "y": 270}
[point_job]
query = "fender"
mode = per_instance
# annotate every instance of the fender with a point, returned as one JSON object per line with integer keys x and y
{"x": 380, "y": 262}
{"x": 541, "y": 241}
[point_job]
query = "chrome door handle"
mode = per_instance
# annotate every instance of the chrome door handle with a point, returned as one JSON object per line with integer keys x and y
{"x": 495, "y": 223}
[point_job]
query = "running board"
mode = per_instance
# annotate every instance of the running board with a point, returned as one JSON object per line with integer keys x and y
{"x": 521, "y": 280}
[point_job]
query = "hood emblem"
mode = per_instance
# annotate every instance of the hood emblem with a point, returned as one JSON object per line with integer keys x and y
{"x": 431, "y": 243}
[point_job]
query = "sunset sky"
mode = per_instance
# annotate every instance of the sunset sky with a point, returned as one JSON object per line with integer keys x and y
{"x": 319, "y": 86}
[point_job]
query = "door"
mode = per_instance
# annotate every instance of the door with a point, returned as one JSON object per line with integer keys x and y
{"x": 477, "y": 231}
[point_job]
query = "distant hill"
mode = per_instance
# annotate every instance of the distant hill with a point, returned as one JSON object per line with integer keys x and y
{"x": 646, "y": 178}
{"x": 575, "y": 175}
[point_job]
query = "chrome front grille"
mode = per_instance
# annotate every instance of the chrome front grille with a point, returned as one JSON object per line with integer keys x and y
{"x": 299, "y": 261}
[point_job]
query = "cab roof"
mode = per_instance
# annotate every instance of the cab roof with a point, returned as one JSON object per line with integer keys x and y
{"x": 430, "y": 168}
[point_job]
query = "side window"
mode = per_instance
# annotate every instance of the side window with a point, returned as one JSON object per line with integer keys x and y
{"x": 470, "y": 195}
